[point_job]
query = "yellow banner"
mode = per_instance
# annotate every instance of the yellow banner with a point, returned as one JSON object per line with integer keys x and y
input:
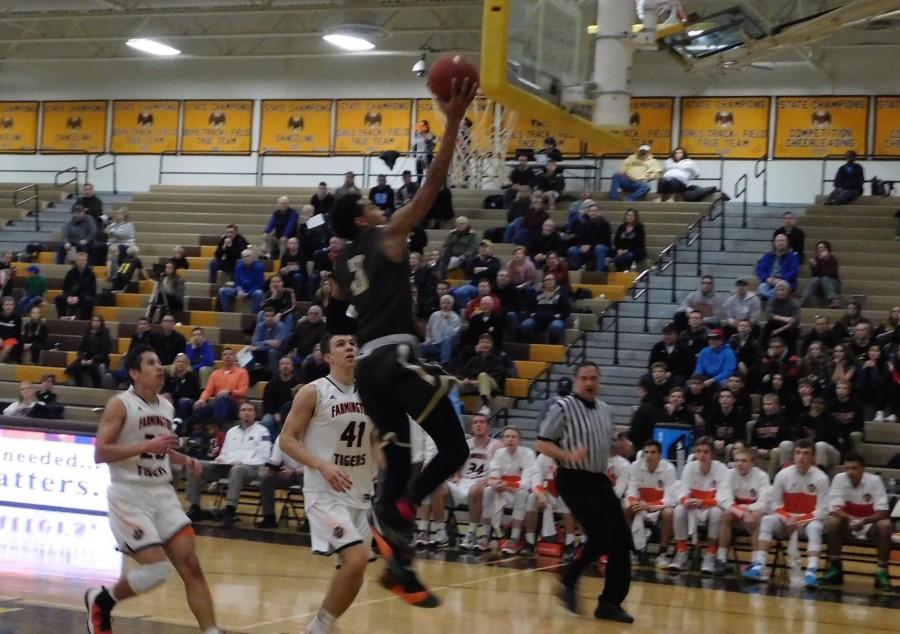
{"x": 217, "y": 127}
{"x": 735, "y": 127}
{"x": 18, "y": 126}
{"x": 480, "y": 116}
{"x": 145, "y": 127}
{"x": 372, "y": 125}
{"x": 298, "y": 126}
{"x": 530, "y": 133}
{"x": 74, "y": 126}
{"x": 887, "y": 126}
{"x": 650, "y": 122}
{"x": 814, "y": 127}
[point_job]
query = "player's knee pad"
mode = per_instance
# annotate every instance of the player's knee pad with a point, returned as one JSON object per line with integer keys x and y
{"x": 148, "y": 576}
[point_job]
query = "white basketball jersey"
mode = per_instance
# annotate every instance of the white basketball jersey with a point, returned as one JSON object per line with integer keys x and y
{"x": 340, "y": 432}
{"x": 143, "y": 421}
{"x": 479, "y": 458}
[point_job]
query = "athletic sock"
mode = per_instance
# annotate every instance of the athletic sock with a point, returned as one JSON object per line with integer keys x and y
{"x": 722, "y": 554}
{"x": 473, "y": 529}
{"x": 325, "y": 616}
{"x": 812, "y": 562}
{"x": 212, "y": 630}
{"x": 437, "y": 526}
{"x": 759, "y": 557}
{"x": 422, "y": 525}
{"x": 529, "y": 537}
{"x": 515, "y": 533}
{"x": 570, "y": 539}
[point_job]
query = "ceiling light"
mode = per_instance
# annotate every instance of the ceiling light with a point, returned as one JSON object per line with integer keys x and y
{"x": 348, "y": 42}
{"x": 152, "y": 46}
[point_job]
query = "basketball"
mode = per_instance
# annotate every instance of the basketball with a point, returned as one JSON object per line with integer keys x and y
{"x": 445, "y": 69}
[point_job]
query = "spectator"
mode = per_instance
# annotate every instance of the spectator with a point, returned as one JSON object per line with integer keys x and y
{"x": 746, "y": 351}
{"x": 815, "y": 366}
{"x": 268, "y": 339}
{"x": 282, "y": 300}
{"x": 93, "y": 354}
{"x": 551, "y": 182}
{"x": 847, "y": 411}
{"x": 771, "y": 435}
{"x": 547, "y": 241}
{"x": 740, "y": 305}
{"x": 635, "y": 175}
{"x": 35, "y": 290}
{"x": 442, "y": 332}
{"x": 459, "y": 247}
{"x": 382, "y": 195}
{"x": 888, "y": 332}
{"x": 485, "y": 373}
{"x": 822, "y": 332}
{"x": 249, "y": 280}
{"x": 727, "y": 424}
{"x": 894, "y": 389}
{"x": 313, "y": 234}
{"x": 593, "y": 236}
{"x": 578, "y": 211}
{"x": 200, "y": 354}
{"x": 123, "y": 275}
{"x": 874, "y": 382}
{"x": 246, "y": 449}
{"x": 406, "y": 191}
{"x": 24, "y": 404}
{"x": 442, "y": 209}
{"x": 10, "y": 330}
{"x": 806, "y": 389}
{"x": 282, "y": 472}
{"x": 169, "y": 293}
{"x": 699, "y": 401}
{"x": 848, "y": 182}
{"x": 314, "y": 366}
{"x": 7, "y": 274}
{"x": 226, "y": 389}
{"x": 677, "y": 358}
{"x": 696, "y": 337}
{"x": 423, "y": 277}
{"x": 424, "y": 143}
{"x": 119, "y": 236}
{"x": 474, "y": 305}
{"x": 844, "y": 365}
{"x": 779, "y": 359}
{"x": 645, "y": 417}
{"x": 91, "y": 203}
{"x": 293, "y": 268}
{"x": 483, "y": 267}
{"x": 556, "y": 267}
{"x": 521, "y": 269}
{"x": 549, "y": 311}
{"x": 486, "y": 320}
{"x": 521, "y": 176}
{"x": 716, "y": 361}
{"x": 79, "y": 291}
{"x": 846, "y": 325}
{"x": 658, "y": 382}
{"x": 784, "y": 317}
{"x": 675, "y": 410}
{"x": 629, "y": 242}
{"x": 278, "y": 396}
{"x": 512, "y": 300}
{"x": 78, "y": 235}
{"x": 322, "y": 296}
{"x": 824, "y": 276}
{"x": 142, "y": 335}
{"x": 515, "y": 215}
{"x": 323, "y": 200}
{"x": 533, "y": 220}
{"x": 47, "y": 405}
{"x": 306, "y": 335}
{"x": 550, "y": 152}
{"x": 349, "y": 187}
{"x": 228, "y": 252}
{"x": 182, "y": 388}
{"x": 179, "y": 259}
{"x": 680, "y": 170}
{"x": 282, "y": 225}
{"x": 34, "y": 336}
{"x": 786, "y": 389}
{"x": 778, "y": 264}
{"x": 705, "y": 301}
{"x": 861, "y": 341}
{"x": 795, "y": 236}
{"x": 170, "y": 342}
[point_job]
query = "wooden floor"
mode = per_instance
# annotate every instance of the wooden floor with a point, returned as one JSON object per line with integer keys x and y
{"x": 265, "y": 588}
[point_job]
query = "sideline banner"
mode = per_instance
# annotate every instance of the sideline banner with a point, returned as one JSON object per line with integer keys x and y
{"x": 298, "y": 126}
{"x": 145, "y": 127}
{"x": 217, "y": 127}
{"x": 19, "y": 126}
{"x": 887, "y": 126}
{"x": 74, "y": 126}
{"x": 735, "y": 127}
{"x": 814, "y": 127}
{"x": 366, "y": 126}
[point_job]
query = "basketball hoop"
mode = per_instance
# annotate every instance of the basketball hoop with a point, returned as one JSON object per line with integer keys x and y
{"x": 484, "y": 137}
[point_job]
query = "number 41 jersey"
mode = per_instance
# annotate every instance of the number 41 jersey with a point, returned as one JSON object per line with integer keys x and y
{"x": 340, "y": 432}
{"x": 381, "y": 290}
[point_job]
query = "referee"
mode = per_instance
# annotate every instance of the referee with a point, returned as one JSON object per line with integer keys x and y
{"x": 578, "y": 432}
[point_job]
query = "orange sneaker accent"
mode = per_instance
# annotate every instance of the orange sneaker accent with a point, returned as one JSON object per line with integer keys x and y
{"x": 384, "y": 549}
{"x": 681, "y": 547}
{"x": 712, "y": 549}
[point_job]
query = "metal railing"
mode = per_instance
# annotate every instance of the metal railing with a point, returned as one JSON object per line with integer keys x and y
{"x": 843, "y": 157}
{"x": 740, "y": 190}
{"x": 541, "y": 377}
{"x": 163, "y": 172}
{"x": 69, "y": 170}
{"x": 111, "y": 163}
{"x": 576, "y": 352}
{"x": 34, "y": 198}
{"x": 761, "y": 168}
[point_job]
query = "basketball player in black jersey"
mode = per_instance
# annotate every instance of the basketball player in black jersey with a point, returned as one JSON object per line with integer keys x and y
{"x": 372, "y": 273}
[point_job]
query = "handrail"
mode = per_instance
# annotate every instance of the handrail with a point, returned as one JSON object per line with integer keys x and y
{"x": 112, "y": 163}
{"x": 161, "y": 172}
{"x": 740, "y": 189}
{"x": 74, "y": 179}
{"x": 573, "y": 358}
{"x": 36, "y": 198}
{"x": 764, "y": 172}
{"x": 843, "y": 157}
{"x": 543, "y": 375}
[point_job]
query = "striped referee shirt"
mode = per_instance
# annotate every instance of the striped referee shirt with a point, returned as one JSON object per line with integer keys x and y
{"x": 573, "y": 422}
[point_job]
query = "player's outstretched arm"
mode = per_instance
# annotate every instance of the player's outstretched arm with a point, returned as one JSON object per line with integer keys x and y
{"x": 404, "y": 219}
{"x": 106, "y": 448}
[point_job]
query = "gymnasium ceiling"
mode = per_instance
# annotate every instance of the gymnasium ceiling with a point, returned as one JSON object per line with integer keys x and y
{"x": 81, "y": 30}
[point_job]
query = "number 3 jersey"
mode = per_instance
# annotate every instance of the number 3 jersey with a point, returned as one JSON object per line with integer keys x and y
{"x": 340, "y": 432}
{"x": 143, "y": 421}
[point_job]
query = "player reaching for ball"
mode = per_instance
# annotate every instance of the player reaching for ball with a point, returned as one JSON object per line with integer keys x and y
{"x": 372, "y": 271}
{"x": 135, "y": 439}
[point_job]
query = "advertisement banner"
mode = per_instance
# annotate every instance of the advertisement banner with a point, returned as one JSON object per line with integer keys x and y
{"x": 217, "y": 127}
{"x": 735, "y": 127}
{"x": 74, "y": 126}
{"x": 145, "y": 127}
{"x": 814, "y": 127}
{"x": 365, "y": 126}
{"x": 296, "y": 126}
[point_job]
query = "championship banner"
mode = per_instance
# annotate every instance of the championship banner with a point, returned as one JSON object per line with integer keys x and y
{"x": 887, "y": 126}
{"x": 297, "y": 126}
{"x": 145, "y": 127}
{"x": 814, "y": 127}
{"x": 18, "y": 126}
{"x": 366, "y": 126}
{"x": 74, "y": 126}
{"x": 735, "y": 127}
{"x": 650, "y": 123}
{"x": 530, "y": 133}
{"x": 480, "y": 115}
{"x": 217, "y": 127}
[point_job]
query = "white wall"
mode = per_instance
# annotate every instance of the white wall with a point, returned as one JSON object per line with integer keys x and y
{"x": 654, "y": 74}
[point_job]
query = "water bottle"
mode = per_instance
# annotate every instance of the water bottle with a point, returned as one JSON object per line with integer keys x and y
{"x": 633, "y": 267}
{"x": 679, "y": 457}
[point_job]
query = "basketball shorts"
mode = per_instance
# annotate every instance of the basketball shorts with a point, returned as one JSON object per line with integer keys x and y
{"x": 144, "y": 516}
{"x": 459, "y": 490}
{"x": 334, "y": 525}
{"x": 863, "y": 533}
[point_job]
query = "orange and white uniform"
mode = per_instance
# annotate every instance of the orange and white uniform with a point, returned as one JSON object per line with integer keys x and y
{"x": 617, "y": 471}
{"x": 858, "y": 501}
{"x": 474, "y": 470}
{"x": 515, "y": 471}
{"x": 801, "y": 496}
{"x": 750, "y": 492}
{"x": 654, "y": 488}
{"x": 543, "y": 480}
{"x": 713, "y": 488}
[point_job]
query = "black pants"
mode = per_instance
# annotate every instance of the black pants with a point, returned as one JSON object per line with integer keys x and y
{"x": 393, "y": 386}
{"x": 593, "y": 502}
{"x": 83, "y": 310}
{"x": 671, "y": 186}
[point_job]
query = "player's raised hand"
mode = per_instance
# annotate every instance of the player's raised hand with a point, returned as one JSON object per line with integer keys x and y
{"x": 162, "y": 444}
{"x": 336, "y": 477}
{"x": 461, "y": 95}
